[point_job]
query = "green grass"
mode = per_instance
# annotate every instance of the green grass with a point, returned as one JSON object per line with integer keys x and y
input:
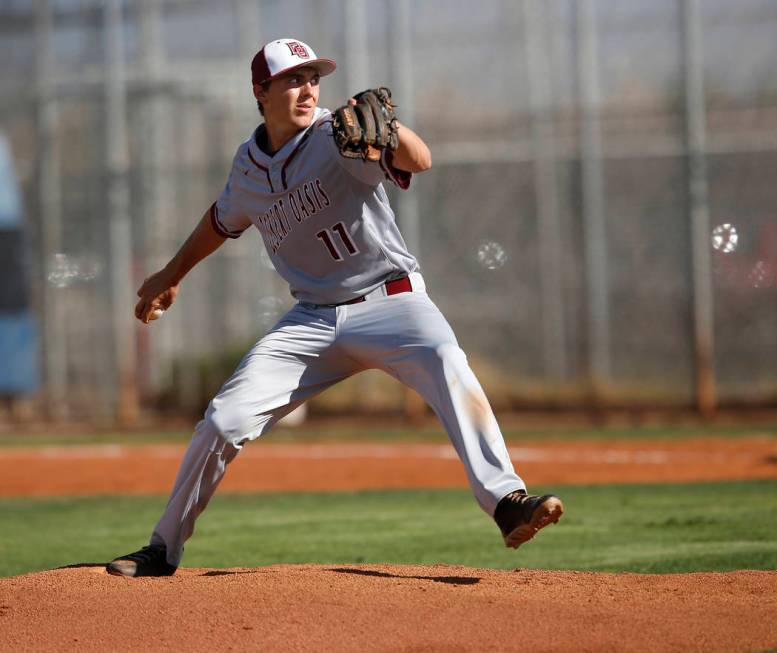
{"x": 350, "y": 433}
{"x": 643, "y": 528}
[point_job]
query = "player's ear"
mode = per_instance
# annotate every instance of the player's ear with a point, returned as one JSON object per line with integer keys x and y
{"x": 260, "y": 92}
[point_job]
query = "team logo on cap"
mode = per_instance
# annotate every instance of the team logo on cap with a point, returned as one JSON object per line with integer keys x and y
{"x": 298, "y": 49}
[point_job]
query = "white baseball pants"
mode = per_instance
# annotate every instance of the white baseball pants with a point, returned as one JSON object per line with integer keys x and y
{"x": 314, "y": 347}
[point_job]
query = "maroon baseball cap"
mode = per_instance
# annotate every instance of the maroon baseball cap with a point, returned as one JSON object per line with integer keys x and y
{"x": 283, "y": 55}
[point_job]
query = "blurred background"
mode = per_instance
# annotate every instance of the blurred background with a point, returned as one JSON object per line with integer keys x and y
{"x": 599, "y": 226}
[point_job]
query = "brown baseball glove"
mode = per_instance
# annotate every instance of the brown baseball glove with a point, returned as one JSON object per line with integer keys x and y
{"x": 363, "y": 130}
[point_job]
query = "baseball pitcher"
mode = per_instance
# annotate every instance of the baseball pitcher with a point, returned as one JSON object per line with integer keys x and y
{"x": 312, "y": 182}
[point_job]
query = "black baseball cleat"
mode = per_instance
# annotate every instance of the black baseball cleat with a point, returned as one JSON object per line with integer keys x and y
{"x": 149, "y": 561}
{"x": 520, "y": 515}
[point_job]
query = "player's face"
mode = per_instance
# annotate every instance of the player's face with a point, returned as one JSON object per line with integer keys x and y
{"x": 291, "y": 99}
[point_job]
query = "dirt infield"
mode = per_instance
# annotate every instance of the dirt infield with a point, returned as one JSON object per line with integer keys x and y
{"x": 387, "y": 608}
{"x": 264, "y": 466}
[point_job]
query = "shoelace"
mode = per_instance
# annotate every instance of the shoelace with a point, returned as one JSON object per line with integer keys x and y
{"x": 515, "y": 500}
{"x": 519, "y": 498}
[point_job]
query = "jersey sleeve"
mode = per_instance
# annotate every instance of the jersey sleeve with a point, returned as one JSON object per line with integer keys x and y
{"x": 228, "y": 216}
{"x": 400, "y": 178}
{"x": 369, "y": 172}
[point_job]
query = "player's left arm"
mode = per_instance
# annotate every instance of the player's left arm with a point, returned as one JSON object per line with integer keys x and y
{"x": 412, "y": 154}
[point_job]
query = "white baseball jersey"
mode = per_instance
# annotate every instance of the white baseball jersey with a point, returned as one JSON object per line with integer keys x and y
{"x": 329, "y": 230}
{"x": 325, "y": 219}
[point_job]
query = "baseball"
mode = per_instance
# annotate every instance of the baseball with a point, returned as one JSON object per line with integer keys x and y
{"x": 156, "y": 314}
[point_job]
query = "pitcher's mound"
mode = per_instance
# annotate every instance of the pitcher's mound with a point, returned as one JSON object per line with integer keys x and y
{"x": 388, "y": 608}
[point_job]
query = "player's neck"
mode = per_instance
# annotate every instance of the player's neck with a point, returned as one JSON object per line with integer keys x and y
{"x": 278, "y": 136}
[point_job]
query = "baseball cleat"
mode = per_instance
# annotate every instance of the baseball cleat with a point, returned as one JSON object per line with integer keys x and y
{"x": 149, "y": 561}
{"x": 519, "y": 516}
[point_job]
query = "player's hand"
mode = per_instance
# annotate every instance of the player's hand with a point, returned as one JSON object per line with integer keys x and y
{"x": 157, "y": 292}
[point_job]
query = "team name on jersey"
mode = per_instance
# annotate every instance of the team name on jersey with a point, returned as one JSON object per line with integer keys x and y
{"x": 296, "y": 207}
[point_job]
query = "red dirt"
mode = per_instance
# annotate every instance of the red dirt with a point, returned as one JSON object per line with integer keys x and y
{"x": 264, "y": 466}
{"x": 388, "y": 608}
{"x": 385, "y": 607}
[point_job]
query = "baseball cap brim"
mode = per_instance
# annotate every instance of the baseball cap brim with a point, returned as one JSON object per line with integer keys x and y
{"x": 322, "y": 66}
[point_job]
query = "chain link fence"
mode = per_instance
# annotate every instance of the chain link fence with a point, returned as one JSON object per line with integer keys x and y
{"x": 599, "y": 226}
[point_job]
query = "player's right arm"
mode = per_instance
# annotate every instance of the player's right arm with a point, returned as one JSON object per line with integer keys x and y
{"x": 161, "y": 288}
{"x": 226, "y": 218}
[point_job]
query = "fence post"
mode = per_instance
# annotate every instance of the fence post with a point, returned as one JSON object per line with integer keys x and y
{"x": 704, "y": 343}
{"x": 119, "y": 226}
{"x": 546, "y": 192}
{"x": 595, "y": 232}
{"x": 50, "y": 208}
{"x": 413, "y": 406}
{"x": 402, "y": 54}
{"x": 357, "y": 53}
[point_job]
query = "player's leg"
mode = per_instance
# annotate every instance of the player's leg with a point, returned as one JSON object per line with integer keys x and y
{"x": 293, "y": 362}
{"x": 407, "y": 336}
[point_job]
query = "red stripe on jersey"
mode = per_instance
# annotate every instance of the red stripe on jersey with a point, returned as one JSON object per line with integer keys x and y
{"x": 290, "y": 157}
{"x": 219, "y": 228}
{"x": 262, "y": 168}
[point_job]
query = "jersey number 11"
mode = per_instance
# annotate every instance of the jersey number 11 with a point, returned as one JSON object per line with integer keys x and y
{"x": 327, "y": 237}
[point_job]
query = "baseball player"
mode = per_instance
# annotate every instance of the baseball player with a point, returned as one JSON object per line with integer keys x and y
{"x": 312, "y": 183}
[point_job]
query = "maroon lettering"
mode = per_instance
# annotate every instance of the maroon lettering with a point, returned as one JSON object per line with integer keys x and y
{"x": 294, "y": 208}
{"x": 273, "y": 230}
{"x": 345, "y": 237}
{"x": 325, "y": 235}
{"x": 278, "y": 226}
{"x": 283, "y": 222}
{"x": 327, "y": 240}
{"x": 271, "y": 237}
{"x": 312, "y": 207}
{"x": 324, "y": 196}
{"x": 285, "y": 215}
{"x": 315, "y": 197}
{"x": 302, "y": 207}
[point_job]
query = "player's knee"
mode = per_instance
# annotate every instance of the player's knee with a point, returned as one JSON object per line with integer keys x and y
{"x": 228, "y": 423}
{"x": 447, "y": 356}
{"x": 448, "y": 351}
{"x": 449, "y": 364}
{"x": 436, "y": 359}
{"x": 441, "y": 362}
